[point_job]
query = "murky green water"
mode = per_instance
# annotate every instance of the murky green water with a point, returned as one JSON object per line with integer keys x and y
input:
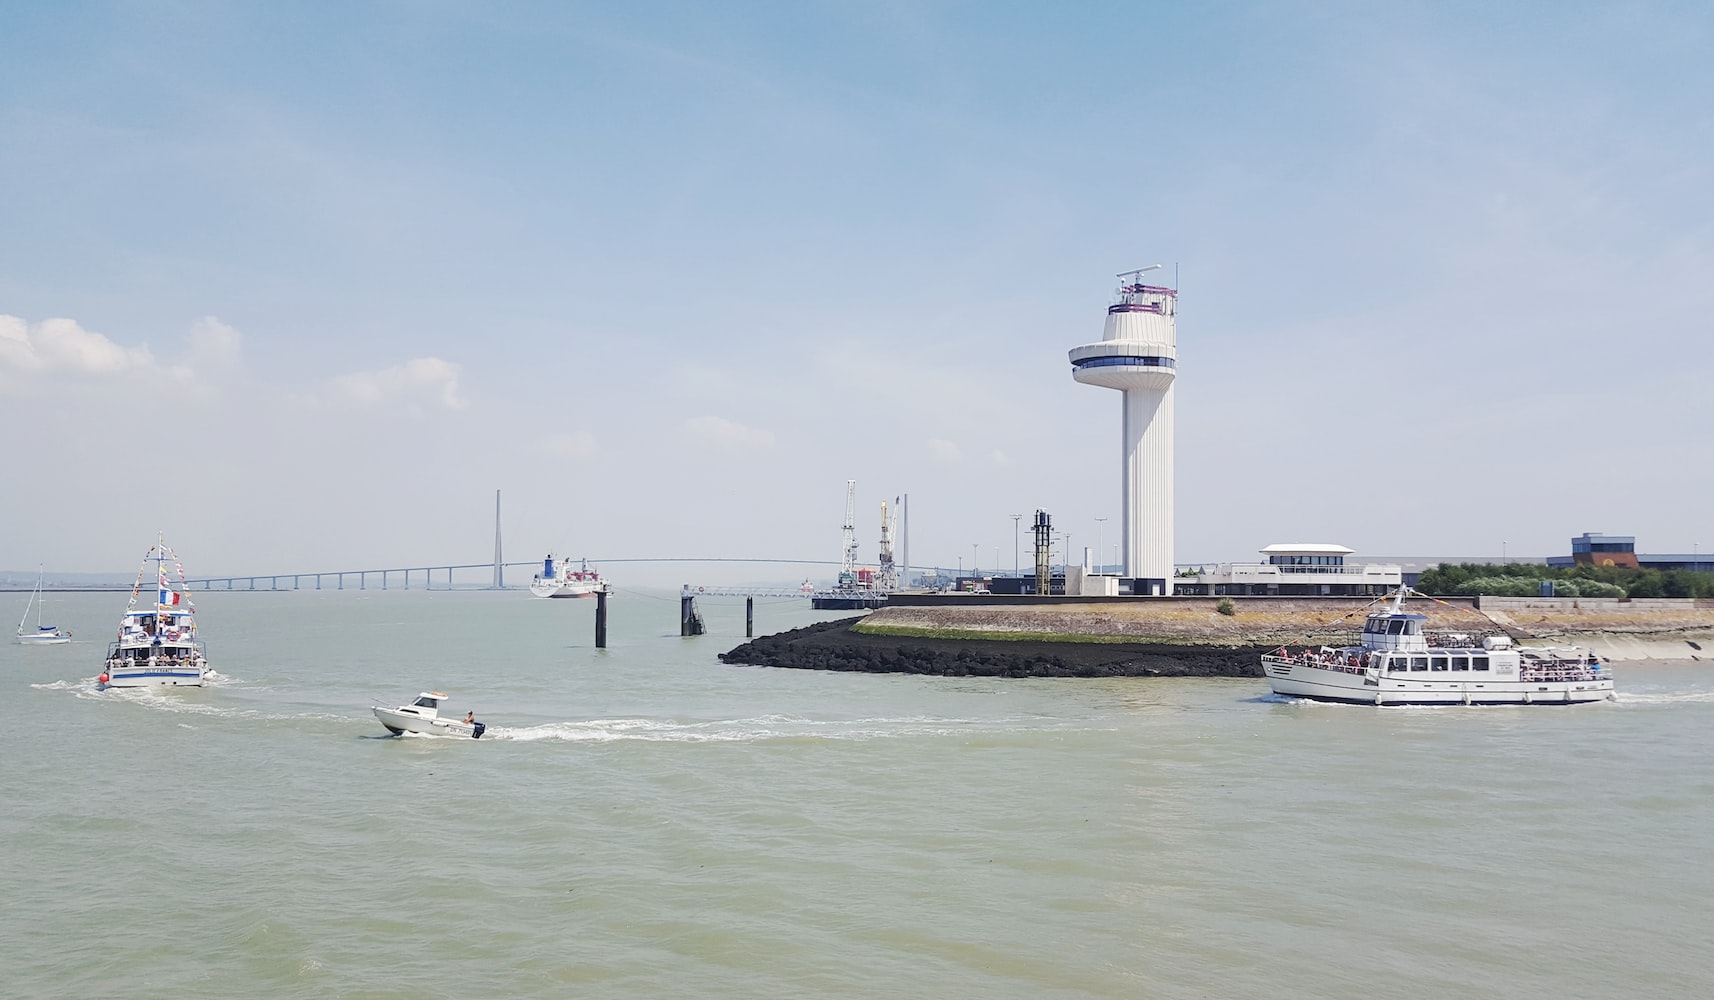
{"x": 645, "y": 822}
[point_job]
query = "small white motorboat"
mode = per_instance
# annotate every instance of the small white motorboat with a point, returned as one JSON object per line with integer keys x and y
{"x": 423, "y": 716}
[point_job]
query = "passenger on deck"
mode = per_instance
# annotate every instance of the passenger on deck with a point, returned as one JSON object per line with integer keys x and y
{"x": 470, "y": 717}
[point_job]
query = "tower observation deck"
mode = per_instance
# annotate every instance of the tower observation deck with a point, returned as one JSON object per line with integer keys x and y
{"x": 1138, "y": 355}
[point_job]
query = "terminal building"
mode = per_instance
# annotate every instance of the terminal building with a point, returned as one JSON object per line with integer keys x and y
{"x": 1592, "y": 548}
{"x": 1293, "y": 570}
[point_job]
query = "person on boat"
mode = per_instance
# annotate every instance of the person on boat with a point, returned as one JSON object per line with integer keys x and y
{"x": 470, "y": 717}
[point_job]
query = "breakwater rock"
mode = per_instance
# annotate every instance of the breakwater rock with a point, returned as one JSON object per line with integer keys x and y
{"x": 835, "y": 646}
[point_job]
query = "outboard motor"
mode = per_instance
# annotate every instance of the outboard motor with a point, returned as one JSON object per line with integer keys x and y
{"x": 479, "y": 728}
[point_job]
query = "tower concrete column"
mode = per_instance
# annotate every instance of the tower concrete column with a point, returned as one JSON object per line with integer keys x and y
{"x": 1138, "y": 355}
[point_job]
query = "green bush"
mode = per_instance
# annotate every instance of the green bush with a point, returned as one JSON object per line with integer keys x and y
{"x": 1226, "y": 607}
{"x": 1523, "y": 580}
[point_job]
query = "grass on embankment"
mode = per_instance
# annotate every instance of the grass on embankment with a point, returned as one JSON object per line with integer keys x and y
{"x": 930, "y": 632}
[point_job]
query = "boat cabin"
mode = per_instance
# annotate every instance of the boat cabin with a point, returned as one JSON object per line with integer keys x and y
{"x": 1395, "y": 630}
{"x": 430, "y": 700}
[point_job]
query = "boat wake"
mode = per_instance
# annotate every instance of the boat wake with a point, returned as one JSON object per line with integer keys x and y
{"x": 177, "y": 700}
{"x": 1665, "y": 697}
{"x": 765, "y": 728}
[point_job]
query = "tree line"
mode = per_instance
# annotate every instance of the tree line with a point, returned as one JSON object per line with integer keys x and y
{"x": 1525, "y": 580}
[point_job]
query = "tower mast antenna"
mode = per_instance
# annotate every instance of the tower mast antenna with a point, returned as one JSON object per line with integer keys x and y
{"x": 848, "y": 563}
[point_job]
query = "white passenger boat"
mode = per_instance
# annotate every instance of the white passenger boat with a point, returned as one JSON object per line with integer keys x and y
{"x": 157, "y": 644}
{"x": 559, "y": 578}
{"x": 423, "y": 716}
{"x": 41, "y": 635}
{"x": 1397, "y": 662}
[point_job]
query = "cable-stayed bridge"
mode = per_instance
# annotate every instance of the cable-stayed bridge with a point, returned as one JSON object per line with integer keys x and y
{"x": 438, "y": 577}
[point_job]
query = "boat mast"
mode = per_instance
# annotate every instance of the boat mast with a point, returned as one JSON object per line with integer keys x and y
{"x": 33, "y": 595}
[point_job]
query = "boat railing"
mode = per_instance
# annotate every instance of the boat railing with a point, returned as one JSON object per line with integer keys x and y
{"x": 1322, "y": 659}
{"x": 1544, "y": 671}
{"x": 1453, "y": 640}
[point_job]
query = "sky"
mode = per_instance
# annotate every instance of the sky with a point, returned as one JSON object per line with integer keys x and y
{"x": 302, "y": 285}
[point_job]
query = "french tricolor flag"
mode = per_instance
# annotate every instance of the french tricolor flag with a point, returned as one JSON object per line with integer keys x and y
{"x": 168, "y": 597}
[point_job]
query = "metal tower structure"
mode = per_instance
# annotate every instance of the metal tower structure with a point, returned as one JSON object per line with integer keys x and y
{"x": 848, "y": 562}
{"x": 1044, "y": 552}
{"x": 1138, "y": 355}
{"x": 887, "y": 575}
{"x": 905, "y": 540}
{"x": 499, "y": 569}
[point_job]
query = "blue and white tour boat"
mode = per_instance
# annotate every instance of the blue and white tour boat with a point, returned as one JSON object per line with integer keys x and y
{"x": 1398, "y": 662}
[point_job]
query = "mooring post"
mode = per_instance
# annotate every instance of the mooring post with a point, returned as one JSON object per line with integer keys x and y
{"x": 749, "y": 617}
{"x": 601, "y": 619}
{"x": 684, "y": 600}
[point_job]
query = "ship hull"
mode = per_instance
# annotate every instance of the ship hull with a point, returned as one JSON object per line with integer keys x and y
{"x": 1297, "y": 680}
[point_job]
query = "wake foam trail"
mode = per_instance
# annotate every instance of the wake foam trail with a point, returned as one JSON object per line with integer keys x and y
{"x": 761, "y": 729}
{"x": 179, "y": 700}
{"x": 1665, "y": 697}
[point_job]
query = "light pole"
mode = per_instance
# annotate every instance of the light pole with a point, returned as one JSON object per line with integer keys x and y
{"x": 1015, "y": 519}
{"x": 973, "y": 560}
{"x": 1098, "y": 526}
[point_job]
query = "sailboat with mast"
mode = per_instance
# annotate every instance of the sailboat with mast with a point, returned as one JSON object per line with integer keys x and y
{"x": 41, "y": 635}
{"x": 157, "y": 644}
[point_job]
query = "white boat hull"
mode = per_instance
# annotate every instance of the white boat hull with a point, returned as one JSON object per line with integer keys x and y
{"x": 399, "y": 722}
{"x": 1295, "y": 679}
{"x": 156, "y": 676}
{"x": 548, "y": 588}
{"x": 43, "y": 640}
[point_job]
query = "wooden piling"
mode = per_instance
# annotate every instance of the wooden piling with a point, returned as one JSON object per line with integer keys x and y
{"x": 601, "y": 619}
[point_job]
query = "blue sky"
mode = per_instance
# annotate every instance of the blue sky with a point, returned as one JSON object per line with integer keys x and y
{"x": 302, "y": 285}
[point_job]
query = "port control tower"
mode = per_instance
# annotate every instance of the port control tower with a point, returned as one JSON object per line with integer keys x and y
{"x": 1138, "y": 355}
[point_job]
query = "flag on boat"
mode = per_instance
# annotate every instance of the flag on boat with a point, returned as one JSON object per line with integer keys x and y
{"x": 169, "y": 598}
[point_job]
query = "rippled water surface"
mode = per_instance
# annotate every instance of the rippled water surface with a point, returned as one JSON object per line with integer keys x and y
{"x": 644, "y": 822}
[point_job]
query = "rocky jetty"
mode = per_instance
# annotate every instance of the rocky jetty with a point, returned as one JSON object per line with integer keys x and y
{"x": 1195, "y": 637}
{"x": 836, "y": 646}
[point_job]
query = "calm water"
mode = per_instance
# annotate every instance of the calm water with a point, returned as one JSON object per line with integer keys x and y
{"x": 647, "y": 822}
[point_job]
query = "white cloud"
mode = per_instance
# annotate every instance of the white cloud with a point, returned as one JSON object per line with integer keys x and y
{"x": 61, "y": 346}
{"x": 571, "y": 444}
{"x": 719, "y": 432}
{"x": 943, "y": 449}
{"x": 1001, "y": 459}
{"x": 213, "y": 345}
{"x": 420, "y": 379}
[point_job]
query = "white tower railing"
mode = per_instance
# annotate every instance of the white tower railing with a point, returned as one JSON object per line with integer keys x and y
{"x": 1138, "y": 355}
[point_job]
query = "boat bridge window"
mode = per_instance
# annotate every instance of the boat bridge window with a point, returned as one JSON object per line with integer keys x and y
{"x": 1419, "y": 663}
{"x": 1461, "y": 663}
{"x": 1437, "y": 663}
{"x": 1478, "y": 663}
{"x": 426, "y": 703}
{"x": 1396, "y": 627}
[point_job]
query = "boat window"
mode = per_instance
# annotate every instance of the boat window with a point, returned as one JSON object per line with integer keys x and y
{"x": 1419, "y": 663}
{"x": 1461, "y": 663}
{"x": 426, "y": 702}
{"x": 1478, "y": 663}
{"x": 1437, "y": 663}
{"x": 1396, "y": 628}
